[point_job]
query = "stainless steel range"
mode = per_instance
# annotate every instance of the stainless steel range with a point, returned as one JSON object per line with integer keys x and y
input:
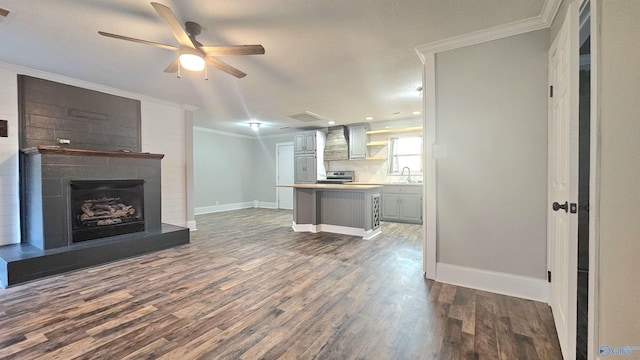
{"x": 338, "y": 177}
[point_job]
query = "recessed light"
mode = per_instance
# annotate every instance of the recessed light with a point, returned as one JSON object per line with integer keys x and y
{"x": 416, "y": 113}
{"x": 332, "y": 122}
{"x": 369, "y": 118}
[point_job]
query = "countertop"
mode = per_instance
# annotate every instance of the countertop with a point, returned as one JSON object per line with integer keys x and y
{"x": 383, "y": 183}
{"x": 333, "y": 186}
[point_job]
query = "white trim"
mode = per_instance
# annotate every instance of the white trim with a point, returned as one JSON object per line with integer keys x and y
{"x": 225, "y": 207}
{"x": 593, "y": 333}
{"x": 91, "y": 86}
{"x": 501, "y": 283}
{"x": 192, "y": 225}
{"x": 429, "y": 203}
{"x": 255, "y": 204}
{"x": 336, "y": 229}
{"x": 265, "y": 205}
{"x": 539, "y": 22}
{"x": 220, "y": 132}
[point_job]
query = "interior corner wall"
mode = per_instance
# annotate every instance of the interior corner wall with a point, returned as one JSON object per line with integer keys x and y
{"x": 492, "y": 185}
{"x": 223, "y": 171}
{"x": 9, "y": 178}
{"x": 618, "y": 77}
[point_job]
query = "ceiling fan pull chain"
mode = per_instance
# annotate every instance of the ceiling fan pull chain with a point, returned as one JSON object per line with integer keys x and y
{"x": 179, "y": 73}
{"x": 206, "y": 72}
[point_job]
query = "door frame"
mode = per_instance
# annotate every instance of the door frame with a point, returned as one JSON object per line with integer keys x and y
{"x": 278, "y": 145}
{"x": 593, "y": 335}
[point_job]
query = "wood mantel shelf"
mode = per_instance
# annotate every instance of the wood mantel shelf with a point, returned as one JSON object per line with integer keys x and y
{"x": 82, "y": 152}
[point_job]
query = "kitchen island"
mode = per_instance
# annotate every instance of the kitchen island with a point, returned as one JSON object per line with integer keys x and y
{"x": 343, "y": 209}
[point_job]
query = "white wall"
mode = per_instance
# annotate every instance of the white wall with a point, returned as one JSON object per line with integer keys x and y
{"x": 491, "y": 187}
{"x": 162, "y": 132}
{"x": 618, "y": 78}
{"x": 9, "y": 183}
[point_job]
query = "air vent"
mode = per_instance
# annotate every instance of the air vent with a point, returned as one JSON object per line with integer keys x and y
{"x": 307, "y": 116}
{"x": 6, "y": 16}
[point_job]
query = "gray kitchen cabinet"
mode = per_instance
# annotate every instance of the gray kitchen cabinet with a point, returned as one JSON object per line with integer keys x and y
{"x": 358, "y": 141}
{"x": 402, "y": 203}
{"x": 305, "y": 142}
{"x": 309, "y": 157}
{"x": 305, "y": 169}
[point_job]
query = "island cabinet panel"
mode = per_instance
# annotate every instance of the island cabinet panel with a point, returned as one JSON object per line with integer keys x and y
{"x": 343, "y": 209}
{"x": 305, "y": 204}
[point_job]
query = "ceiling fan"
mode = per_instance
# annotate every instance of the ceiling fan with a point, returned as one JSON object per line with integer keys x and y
{"x": 192, "y": 55}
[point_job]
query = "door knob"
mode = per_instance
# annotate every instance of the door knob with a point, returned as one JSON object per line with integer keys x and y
{"x": 557, "y": 206}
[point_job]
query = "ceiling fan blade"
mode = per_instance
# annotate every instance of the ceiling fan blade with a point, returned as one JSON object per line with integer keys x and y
{"x": 176, "y": 29}
{"x": 224, "y": 67}
{"x": 139, "y": 41}
{"x": 173, "y": 67}
{"x": 224, "y": 50}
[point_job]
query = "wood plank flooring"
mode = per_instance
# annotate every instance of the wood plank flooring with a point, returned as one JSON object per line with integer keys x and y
{"x": 248, "y": 287}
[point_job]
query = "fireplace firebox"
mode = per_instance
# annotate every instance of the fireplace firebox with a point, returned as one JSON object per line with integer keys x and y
{"x": 103, "y": 208}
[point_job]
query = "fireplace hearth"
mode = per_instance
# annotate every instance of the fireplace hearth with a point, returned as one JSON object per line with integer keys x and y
{"x": 103, "y": 208}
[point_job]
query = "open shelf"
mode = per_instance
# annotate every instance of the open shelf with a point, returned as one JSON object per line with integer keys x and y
{"x": 398, "y": 130}
{"x": 378, "y": 143}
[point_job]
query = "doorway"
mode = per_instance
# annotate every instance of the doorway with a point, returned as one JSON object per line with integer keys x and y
{"x": 584, "y": 145}
{"x": 284, "y": 175}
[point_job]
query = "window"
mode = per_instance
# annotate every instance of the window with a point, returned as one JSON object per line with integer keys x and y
{"x": 405, "y": 152}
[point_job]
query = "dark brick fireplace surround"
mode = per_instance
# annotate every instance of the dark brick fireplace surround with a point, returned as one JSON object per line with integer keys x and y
{"x": 104, "y": 135}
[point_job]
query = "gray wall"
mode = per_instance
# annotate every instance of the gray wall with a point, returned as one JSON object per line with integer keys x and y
{"x": 265, "y": 166}
{"x": 619, "y": 228}
{"x": 223, "y": 169}
{"x": 233, "y": 169}
{"x": 491, "y": 188}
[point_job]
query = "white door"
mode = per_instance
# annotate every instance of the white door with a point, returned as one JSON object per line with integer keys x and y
{"x": 562, "y": 222}
{"x": 284, "y": 175}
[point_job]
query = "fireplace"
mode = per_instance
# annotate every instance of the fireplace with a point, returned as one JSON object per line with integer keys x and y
{"x": 103, "y": 208}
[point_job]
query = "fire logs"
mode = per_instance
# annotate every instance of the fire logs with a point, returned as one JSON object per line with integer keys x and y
{"x": 106, "y": 211}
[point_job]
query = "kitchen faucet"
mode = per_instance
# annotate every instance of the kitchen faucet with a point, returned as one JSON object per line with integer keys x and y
{"x": 409, "y": 170}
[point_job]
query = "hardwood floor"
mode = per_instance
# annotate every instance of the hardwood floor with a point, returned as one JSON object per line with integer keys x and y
{"x": 248, "y": 287}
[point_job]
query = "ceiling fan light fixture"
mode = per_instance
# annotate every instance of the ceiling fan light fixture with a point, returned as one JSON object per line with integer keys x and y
{"x": 192, "y": 62}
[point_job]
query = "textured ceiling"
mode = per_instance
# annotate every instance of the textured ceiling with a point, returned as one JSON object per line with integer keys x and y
{"x": 343, "y": 60}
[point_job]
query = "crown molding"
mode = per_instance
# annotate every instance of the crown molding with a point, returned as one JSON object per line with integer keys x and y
{"x": 23, "y": 70}
{"x": 542, "y": 21}
{"x": 220, "y": 132}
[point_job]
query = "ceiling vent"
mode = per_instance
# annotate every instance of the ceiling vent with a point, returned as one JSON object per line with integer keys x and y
{"x": 5, "y": 16}
{"x": 307, "y": 116}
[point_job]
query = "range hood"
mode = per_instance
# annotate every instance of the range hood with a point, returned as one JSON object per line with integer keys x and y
{"x": 337, "y": 147}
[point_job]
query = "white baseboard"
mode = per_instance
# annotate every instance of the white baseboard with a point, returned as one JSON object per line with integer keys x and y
{"x": 336, "y": 229}
{"x": 192, "y": 225}
{"x": 235, "y": 206}
{"x": 501, "y": 283}
{"x": 224, "y": 207}
{"x": 266, "y": 205}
